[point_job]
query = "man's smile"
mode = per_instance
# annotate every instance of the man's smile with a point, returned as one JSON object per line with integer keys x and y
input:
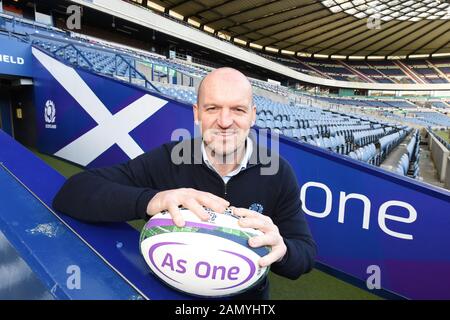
{"x": 225, "y": 134}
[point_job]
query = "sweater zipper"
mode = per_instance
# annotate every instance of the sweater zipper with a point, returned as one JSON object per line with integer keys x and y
{"x": 225, "y": 185}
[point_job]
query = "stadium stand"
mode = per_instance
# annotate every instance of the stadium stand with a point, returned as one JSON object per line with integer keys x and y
{"x": 439, "y": 104}
{"x": 424, "y": 118}
{"x": 359, "y": 137}
{"x": 370, "y": 71}
{"x": 102, "y": 56}
{"x": 409, "y": 161}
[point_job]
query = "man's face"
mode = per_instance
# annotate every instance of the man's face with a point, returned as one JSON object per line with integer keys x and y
{"x": 225, "y": 112}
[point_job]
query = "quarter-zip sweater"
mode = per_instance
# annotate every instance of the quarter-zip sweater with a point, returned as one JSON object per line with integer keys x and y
{"x": 122, "y": 193}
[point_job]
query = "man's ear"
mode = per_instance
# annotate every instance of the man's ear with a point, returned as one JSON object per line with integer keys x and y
{"x": 195, "y": 110}
{"x": 254, "y": 115}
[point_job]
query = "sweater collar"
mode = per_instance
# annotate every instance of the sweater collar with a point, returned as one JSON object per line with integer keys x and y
{"x": 242, "y": 165}
{"x": 252, "y": 160}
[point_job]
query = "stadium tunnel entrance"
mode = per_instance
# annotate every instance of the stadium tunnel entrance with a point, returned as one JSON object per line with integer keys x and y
{"x": 17, "y": 110}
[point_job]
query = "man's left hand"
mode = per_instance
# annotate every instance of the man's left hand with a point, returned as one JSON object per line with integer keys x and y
{"x": 271, "y": 236}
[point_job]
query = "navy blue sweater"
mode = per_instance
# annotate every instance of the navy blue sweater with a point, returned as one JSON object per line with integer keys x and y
{"x": 122, "y": 193}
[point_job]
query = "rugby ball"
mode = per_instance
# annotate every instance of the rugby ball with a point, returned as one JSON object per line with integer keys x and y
{"x": 206, "y": 259}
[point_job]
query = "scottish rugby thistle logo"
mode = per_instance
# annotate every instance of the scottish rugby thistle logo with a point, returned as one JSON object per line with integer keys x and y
{"x": 256, "y": 207}
{"x": 50, "y": 114}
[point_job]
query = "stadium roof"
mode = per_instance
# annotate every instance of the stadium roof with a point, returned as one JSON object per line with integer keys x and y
{"x": 325, "y": 28}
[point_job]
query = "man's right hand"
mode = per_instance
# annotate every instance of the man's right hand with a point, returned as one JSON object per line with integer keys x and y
{"x": 188, "y": 198}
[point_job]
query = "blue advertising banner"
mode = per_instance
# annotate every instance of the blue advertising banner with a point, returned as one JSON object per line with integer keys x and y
{"x": 15, "y": 58}
{"x": 385, "y": 230}
{"x": 369, "y": 223}
{"x": 77, "y": 109}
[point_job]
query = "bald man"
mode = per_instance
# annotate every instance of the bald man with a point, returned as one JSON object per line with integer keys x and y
{"x": 225, "y": 171}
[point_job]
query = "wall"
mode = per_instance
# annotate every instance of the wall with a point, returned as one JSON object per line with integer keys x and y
{"x": 447, "y": 174}
{"x": 15, "y": 57}
{"x": 439, "y": 154}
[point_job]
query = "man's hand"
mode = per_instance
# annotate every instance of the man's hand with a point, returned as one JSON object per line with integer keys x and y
{"x": 271, "y": 236}
{"x": 188, "y": 198}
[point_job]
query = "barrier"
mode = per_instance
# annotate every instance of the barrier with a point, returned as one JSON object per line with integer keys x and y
{"x": 447, "y": 174}
{"x": 439, "y": 154}
{"x": 69, "y": 259}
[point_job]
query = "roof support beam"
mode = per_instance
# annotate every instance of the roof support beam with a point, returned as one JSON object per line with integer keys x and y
{"x": 415, "y": 38}
{"x": 376, "y": 34}
{"x": 277, "y": 22}
{"x": 441, "y": 47}
{"x": 358, "y": 22}
{"x": 366, "y": 30}
{"x": 395, "y": 39}
{"x": 343, "y": 17}
{"x": 241, "y": 12}
{"x": 446, "y": 32}
{"x": 168, "y": 8}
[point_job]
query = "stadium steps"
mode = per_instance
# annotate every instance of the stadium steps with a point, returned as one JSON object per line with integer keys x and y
{"x": 428, "y": 172}
{"x": 392, "y": 160}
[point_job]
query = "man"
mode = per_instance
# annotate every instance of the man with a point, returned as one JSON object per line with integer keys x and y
{"x": 224, "y": 171}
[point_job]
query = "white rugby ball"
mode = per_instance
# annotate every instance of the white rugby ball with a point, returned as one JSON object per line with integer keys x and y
{"x": 207, "y": 259}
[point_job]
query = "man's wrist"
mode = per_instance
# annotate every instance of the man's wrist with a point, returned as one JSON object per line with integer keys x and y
{"x": 154, "y": 205}
{"x": 284, "y": 257}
